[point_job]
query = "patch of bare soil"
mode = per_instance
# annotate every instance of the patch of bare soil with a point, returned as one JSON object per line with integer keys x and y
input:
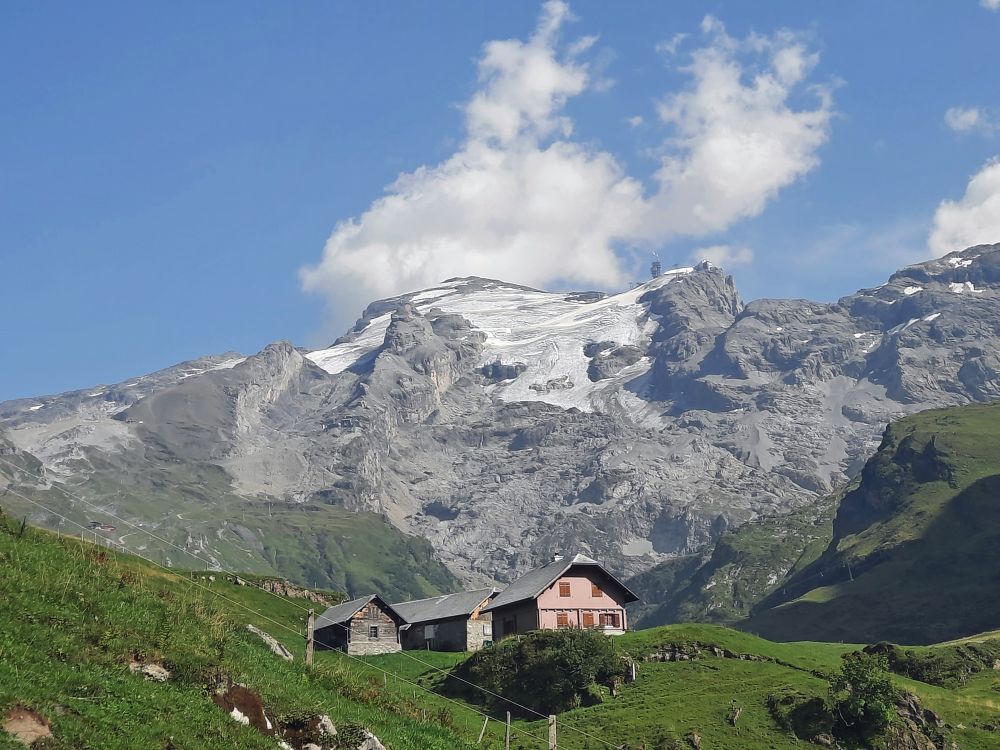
{"x": 245, "y": 706}
{"x": 26, "y": 726}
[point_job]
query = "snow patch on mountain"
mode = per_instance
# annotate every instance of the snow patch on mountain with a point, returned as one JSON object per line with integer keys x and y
{"x": 544, "y": 331}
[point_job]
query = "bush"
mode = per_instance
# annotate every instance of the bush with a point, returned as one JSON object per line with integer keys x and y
{"x": 807, "y": 716}
{"x": 549, "y": 671}
{"x": 945, "y": 666}
{"x": 863, "y": 694}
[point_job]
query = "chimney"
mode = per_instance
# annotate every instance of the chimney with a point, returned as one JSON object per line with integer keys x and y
{"x": 557, "y": 556}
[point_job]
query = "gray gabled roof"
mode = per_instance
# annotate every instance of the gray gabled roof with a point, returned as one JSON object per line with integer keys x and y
{"x": 341, "y": 613}
{"x": 534, "y": 582}
{"x": 442, "y": 607}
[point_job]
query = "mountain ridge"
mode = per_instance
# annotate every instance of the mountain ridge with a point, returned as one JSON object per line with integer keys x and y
{"x": 503, "y": 423}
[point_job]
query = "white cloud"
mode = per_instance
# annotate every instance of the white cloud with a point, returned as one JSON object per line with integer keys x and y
{"x": 511, "y": 203}
{"x": 635, "y": 121}
{"x": 990, "y": 4}
{"x": 724, "y": 256}
{"x": 963, "y": 119}
{"x": 524, "y": 86}
{"x": 521, "y": 201}
{"x": 669, "y": 47}
{"x": 737, "y": 140}
{"x": 972, "y": 220}
{"x": 966, "y": 119}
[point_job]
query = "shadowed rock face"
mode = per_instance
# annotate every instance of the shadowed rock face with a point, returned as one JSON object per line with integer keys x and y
{"x": 503, "y": 423}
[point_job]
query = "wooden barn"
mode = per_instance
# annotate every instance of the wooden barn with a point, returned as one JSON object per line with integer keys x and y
{"x": 362, "y": 626}
{"x": 450, "y": 622}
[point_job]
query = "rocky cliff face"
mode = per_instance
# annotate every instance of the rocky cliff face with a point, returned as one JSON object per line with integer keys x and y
{"x": 503, "y": 423}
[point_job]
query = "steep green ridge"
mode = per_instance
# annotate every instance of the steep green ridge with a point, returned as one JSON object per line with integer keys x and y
{"x": 313, "y": 544}
{"x": 738, "y": 571}
{"x": 914, "y": 554}
{"x": 73, "y": 615}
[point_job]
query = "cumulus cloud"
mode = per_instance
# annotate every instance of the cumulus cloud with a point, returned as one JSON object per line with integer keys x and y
{"x": 737, "y": 140}
{"x": 517, "y": 201}
{"x": 972, "y": 220}
{"x": 522, "y": 201}
{"x": 990, "y": 4}
{"x": 724, "y": 256}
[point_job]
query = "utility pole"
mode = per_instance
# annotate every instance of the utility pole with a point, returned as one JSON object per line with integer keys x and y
{"x": 310, "y": 639}
{"x": 552, "y": 733}
{"x": 506, "y": 736}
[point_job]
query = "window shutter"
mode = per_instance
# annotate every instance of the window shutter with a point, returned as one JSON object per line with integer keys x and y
{"x": 564, "y": 588}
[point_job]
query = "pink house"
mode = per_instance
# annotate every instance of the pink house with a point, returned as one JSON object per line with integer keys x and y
{"x": 569, "y": 592}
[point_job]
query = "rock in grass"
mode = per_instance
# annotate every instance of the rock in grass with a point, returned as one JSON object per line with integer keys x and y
{"x": 153, "y": 672}
{"x": 25, "y": 725}
{"x": 273, "y": 643}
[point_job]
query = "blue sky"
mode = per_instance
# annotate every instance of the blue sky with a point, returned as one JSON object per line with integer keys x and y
{"x": 169, "y": 175}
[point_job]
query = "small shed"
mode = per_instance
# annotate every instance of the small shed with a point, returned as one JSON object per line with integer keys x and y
{"x": 450, "y": 622}
{"x": 368, "y": 625}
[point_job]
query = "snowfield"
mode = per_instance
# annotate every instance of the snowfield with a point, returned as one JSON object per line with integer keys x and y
{"x": 542, "y": 330}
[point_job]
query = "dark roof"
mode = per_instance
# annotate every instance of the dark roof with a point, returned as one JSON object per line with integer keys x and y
{"x": 341, "y": 613}
{"x": 442, "y": 607}
{"x": 534, "y": 582}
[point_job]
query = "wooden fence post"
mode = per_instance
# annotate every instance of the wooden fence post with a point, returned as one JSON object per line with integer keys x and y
{"x": 483, "y": 731}
{"x": 552, "y": 733}
{"x": 310, "y": 637}
{"x": 506, "y": 736}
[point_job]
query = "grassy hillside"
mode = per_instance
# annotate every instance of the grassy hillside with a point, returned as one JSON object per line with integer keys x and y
{"x": 74, "y": 615}
{"x": 913, "y": 559}
{"x": 721, "y": 668}
{"x": 742, "y": 568}
{"x": 313, "y": 544}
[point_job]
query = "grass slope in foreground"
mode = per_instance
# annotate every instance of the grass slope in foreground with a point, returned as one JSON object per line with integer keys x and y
{"x": 914, "y": 554}
{"x": 73, "y": 615}
{"x": 671, "y": 701}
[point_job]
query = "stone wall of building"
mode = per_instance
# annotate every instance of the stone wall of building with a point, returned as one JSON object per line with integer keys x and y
{"x": 478, "y": 632}
{"x": 362, "y": 642}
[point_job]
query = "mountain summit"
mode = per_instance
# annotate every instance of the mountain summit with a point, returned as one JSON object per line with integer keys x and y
{"x": 502, "y": 423}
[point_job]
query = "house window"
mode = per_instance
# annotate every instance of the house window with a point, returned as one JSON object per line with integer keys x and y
{"x": 562, "y": 619}
{"x": 564, "y": 588}
{"x": 609, "y": 619}
{"x": 588, "y": 619}
{"x": 595, "y": 591}
{"x": 488, "y": 629}
{"x": 373, "y": 631}
{"x": 510, "y": 626}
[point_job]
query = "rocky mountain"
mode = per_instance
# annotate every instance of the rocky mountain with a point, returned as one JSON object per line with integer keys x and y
{"x": 502, "y": 423}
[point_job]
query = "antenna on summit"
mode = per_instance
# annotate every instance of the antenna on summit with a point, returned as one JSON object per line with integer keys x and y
{"x": 655, "y": 269}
